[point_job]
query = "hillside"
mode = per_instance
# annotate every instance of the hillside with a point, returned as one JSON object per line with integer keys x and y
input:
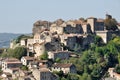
{"x": 5, "y": 39}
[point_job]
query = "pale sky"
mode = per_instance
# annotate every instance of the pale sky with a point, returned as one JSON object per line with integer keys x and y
{"x": 18, "y": 16}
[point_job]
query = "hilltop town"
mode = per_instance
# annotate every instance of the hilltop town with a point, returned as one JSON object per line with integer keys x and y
{"x": 83, "y": 49}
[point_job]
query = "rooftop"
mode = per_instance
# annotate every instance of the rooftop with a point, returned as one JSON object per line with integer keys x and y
{"x": 28, "y": 58}
{"x": 62, "y": 65}
{"x": 12, "y": 60}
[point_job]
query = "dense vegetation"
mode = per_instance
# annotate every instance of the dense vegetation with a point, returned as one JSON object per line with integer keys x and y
{"x": 94, "y": 62}
{"x": 110, "y": 23}
{"x": 18, "y": 52}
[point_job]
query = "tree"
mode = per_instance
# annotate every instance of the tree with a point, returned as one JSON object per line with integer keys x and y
{"x": 24, "y": 67}
{"x": 44, "y": 56}
{"x": 19, "y": 52}
{"x": 72, "y": 76}
{"x": 89, "y": 77}
{"x": 110, "y": 23}
{"x": 57, "y": 60}
{"x": 21, "y": 37}
{"x": 98, "y": 40}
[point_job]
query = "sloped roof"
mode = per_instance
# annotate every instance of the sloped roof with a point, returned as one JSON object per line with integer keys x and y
{"x": 29, "y": 58}
{"x": 62, "y": 65}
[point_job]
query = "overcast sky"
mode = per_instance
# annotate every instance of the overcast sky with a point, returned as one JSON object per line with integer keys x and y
{"x": 18, "y": 16}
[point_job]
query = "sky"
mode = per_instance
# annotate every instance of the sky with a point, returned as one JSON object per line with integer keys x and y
{"x": 18, "y": 16}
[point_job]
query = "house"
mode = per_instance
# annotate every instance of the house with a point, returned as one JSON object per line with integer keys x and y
{"x": 37, "y": 64}
{"x": 39, "y": 49}
{"x": 23, "y": 42}
{"x": 56, "y": 29}
{"x": 26, "y": 60}
{"x": 59, "y": 54}
{"x": 22, "y": 75}
{"x": 107, "y": 35}
{"x": 37, "y": 38}
{"x": 44, "y": 63}
{"x": 113, "y": 74}
{"x": 11, "y": 65}
{"x": 30, "y": 45}
{"x": 33, "y": 65}
{"x": 70, "y": 40}
{"x": 96, "y": 25}
{"x": 43, "y": 74}
{"x": 5, "y": 76}
{"x": 66, "y": 68}
{"x": 46, "y": 36}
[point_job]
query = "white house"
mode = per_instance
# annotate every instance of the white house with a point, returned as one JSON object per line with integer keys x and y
{"x": 26, "y": 60}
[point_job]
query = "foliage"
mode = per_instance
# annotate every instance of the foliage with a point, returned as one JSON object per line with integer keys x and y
{"x": 7, "y": 53}
{"x": 57, "y": 60}
{"x": 59, "y": 73}
{"x": 72, "y": 76}
{"x": 19, "y": 52}
{"x": 93, "y": 62}
{"x": 77, "y": 48}
{"x": 24, "y": 68}
{"x": 44, "y": 56}
{"x": 111, "y": 24}
{"x": 22, "y": 37}
{"x": 98, "y": 40}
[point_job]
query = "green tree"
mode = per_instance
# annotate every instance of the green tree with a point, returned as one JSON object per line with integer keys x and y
{"x": 44, "y": 56}
{"x": 22, "y": 37}
{"x": 110, "y": 24}
{"x": 84, "y": 76}
{"x": 98, "y": 40}
{"x": 57, "y": 60}
{"x": 73, "y": 76}
{"x": 19, "y": 52}
{"x": 63, "y": 78}
{"x": 24, "y": 67}
{"x": 89, "y": 77}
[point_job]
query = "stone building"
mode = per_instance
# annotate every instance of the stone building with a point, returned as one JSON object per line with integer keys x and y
{"x": 26, "y": 60}
{"x": 75, "y": 30}
{"x": 11, "y": 65}
{"x": 43, "y": 74}
{"x": 23, "y": 42}
{"x": 40, "y": 26}
{"x": 59, "y": 54}
{"x": 66, "y": 68}
{"x": 56, "y": 29}
{"x": 107, "y": 35}
{"x": 38, "y": 49}
{"x": 70, "y": 40}
{"x": 96, "y": 25}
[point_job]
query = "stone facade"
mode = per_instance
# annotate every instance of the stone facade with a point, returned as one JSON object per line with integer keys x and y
{"x": 43, "y": 74}
{"x": 107, "y": 35}
{"x": 23, "y": 42}
{"x": 59, "y": 54}
{"x": 39, "y": 49}
{"x": 56, "y": 29}
{"x": 66, "y": 68}
{"x": 10, "y": 65}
